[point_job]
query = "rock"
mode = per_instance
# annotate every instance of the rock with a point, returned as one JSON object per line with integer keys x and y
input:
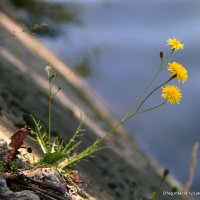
{"x": 6, "y": 193}
{"x": 25, "y": 195}
{"x": 44, "y": 182}
{"x": 3, "y": 154}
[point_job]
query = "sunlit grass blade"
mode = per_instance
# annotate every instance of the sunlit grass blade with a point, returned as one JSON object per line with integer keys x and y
{"x": 41, "y": 137}
{"x": 72, "y": 139}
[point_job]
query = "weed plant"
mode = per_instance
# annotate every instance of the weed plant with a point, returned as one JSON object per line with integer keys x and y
{"x": 59, "y": 154}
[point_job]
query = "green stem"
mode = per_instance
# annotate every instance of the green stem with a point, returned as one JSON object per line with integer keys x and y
{"x": 42, "y": 145}
{"x": 141, "y": 94}
{"x": 159, "y": 86}
{"x": 167, "y": 60}
{"x": 149, "y": 85}
{"x": 149, "y": 109}
{"x": 112, "y": 129}
{"x": 152, "y": 108}
{"x": 49, "y": 113}
{"x": 127, "y": 117}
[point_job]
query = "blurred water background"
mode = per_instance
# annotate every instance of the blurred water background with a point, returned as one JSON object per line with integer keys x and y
{"x": 114, "y": 45}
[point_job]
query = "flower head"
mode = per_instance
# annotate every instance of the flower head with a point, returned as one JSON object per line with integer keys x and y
{"x": 175, "y": 44}
{"x": 179, "y": 70}
{"x": 172, "y": 94}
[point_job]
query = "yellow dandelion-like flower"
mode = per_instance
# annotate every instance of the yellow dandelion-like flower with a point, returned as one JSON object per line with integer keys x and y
{"x": 179, "y": 70}
{"x": 175, "y": 44}
{"x": 172, "y": 94}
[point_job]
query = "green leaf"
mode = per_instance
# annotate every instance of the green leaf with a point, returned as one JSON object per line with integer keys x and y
{"x": 72, "y": 140}
{"x": 51, "y": 158}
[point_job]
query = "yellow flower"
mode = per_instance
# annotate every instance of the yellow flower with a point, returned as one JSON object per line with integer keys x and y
{"x": 172, "y": 94}
{"x": 179, "y": 70}
{"x": 175, "y": 44}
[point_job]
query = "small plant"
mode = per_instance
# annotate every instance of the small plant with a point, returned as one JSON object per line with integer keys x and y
{"x": 59, "y": 154}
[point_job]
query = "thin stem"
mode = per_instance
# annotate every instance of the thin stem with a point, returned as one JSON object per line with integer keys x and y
{"x": 50, "y": 103}
{"x": 148, "y": 86}
{"x": 112, "y": 129}
{"x": 131, "y": 116}
{"x": 94, "y": 147}
{"x": 149, "y": 109}
{"x": 159, "y": 86}
{"x": 118, "y": 124}
{"x": 167, "y": 60}
{"x": 56, "y": 92}
{"x": 152, "y": 108}
{"x": 141, "y": 94}
{"x": 127, "y": 117}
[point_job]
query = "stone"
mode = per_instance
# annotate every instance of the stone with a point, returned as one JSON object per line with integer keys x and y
{"x": 6, "y": 193}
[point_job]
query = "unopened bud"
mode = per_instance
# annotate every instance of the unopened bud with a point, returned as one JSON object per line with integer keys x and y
{"x": 48, "y": 69}
{"x": 165, "y": 173}
{"x": 161, "y": 55}
{"x": 53, "y": 76}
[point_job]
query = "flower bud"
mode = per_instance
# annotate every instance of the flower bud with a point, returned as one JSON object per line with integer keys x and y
{"x": 161, "y": 55}
{"x": 48, "y": 69}
{"x": 165, "y": 173}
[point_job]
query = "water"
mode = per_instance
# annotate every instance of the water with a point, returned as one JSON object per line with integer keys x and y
{"x": 118, "y": 44}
